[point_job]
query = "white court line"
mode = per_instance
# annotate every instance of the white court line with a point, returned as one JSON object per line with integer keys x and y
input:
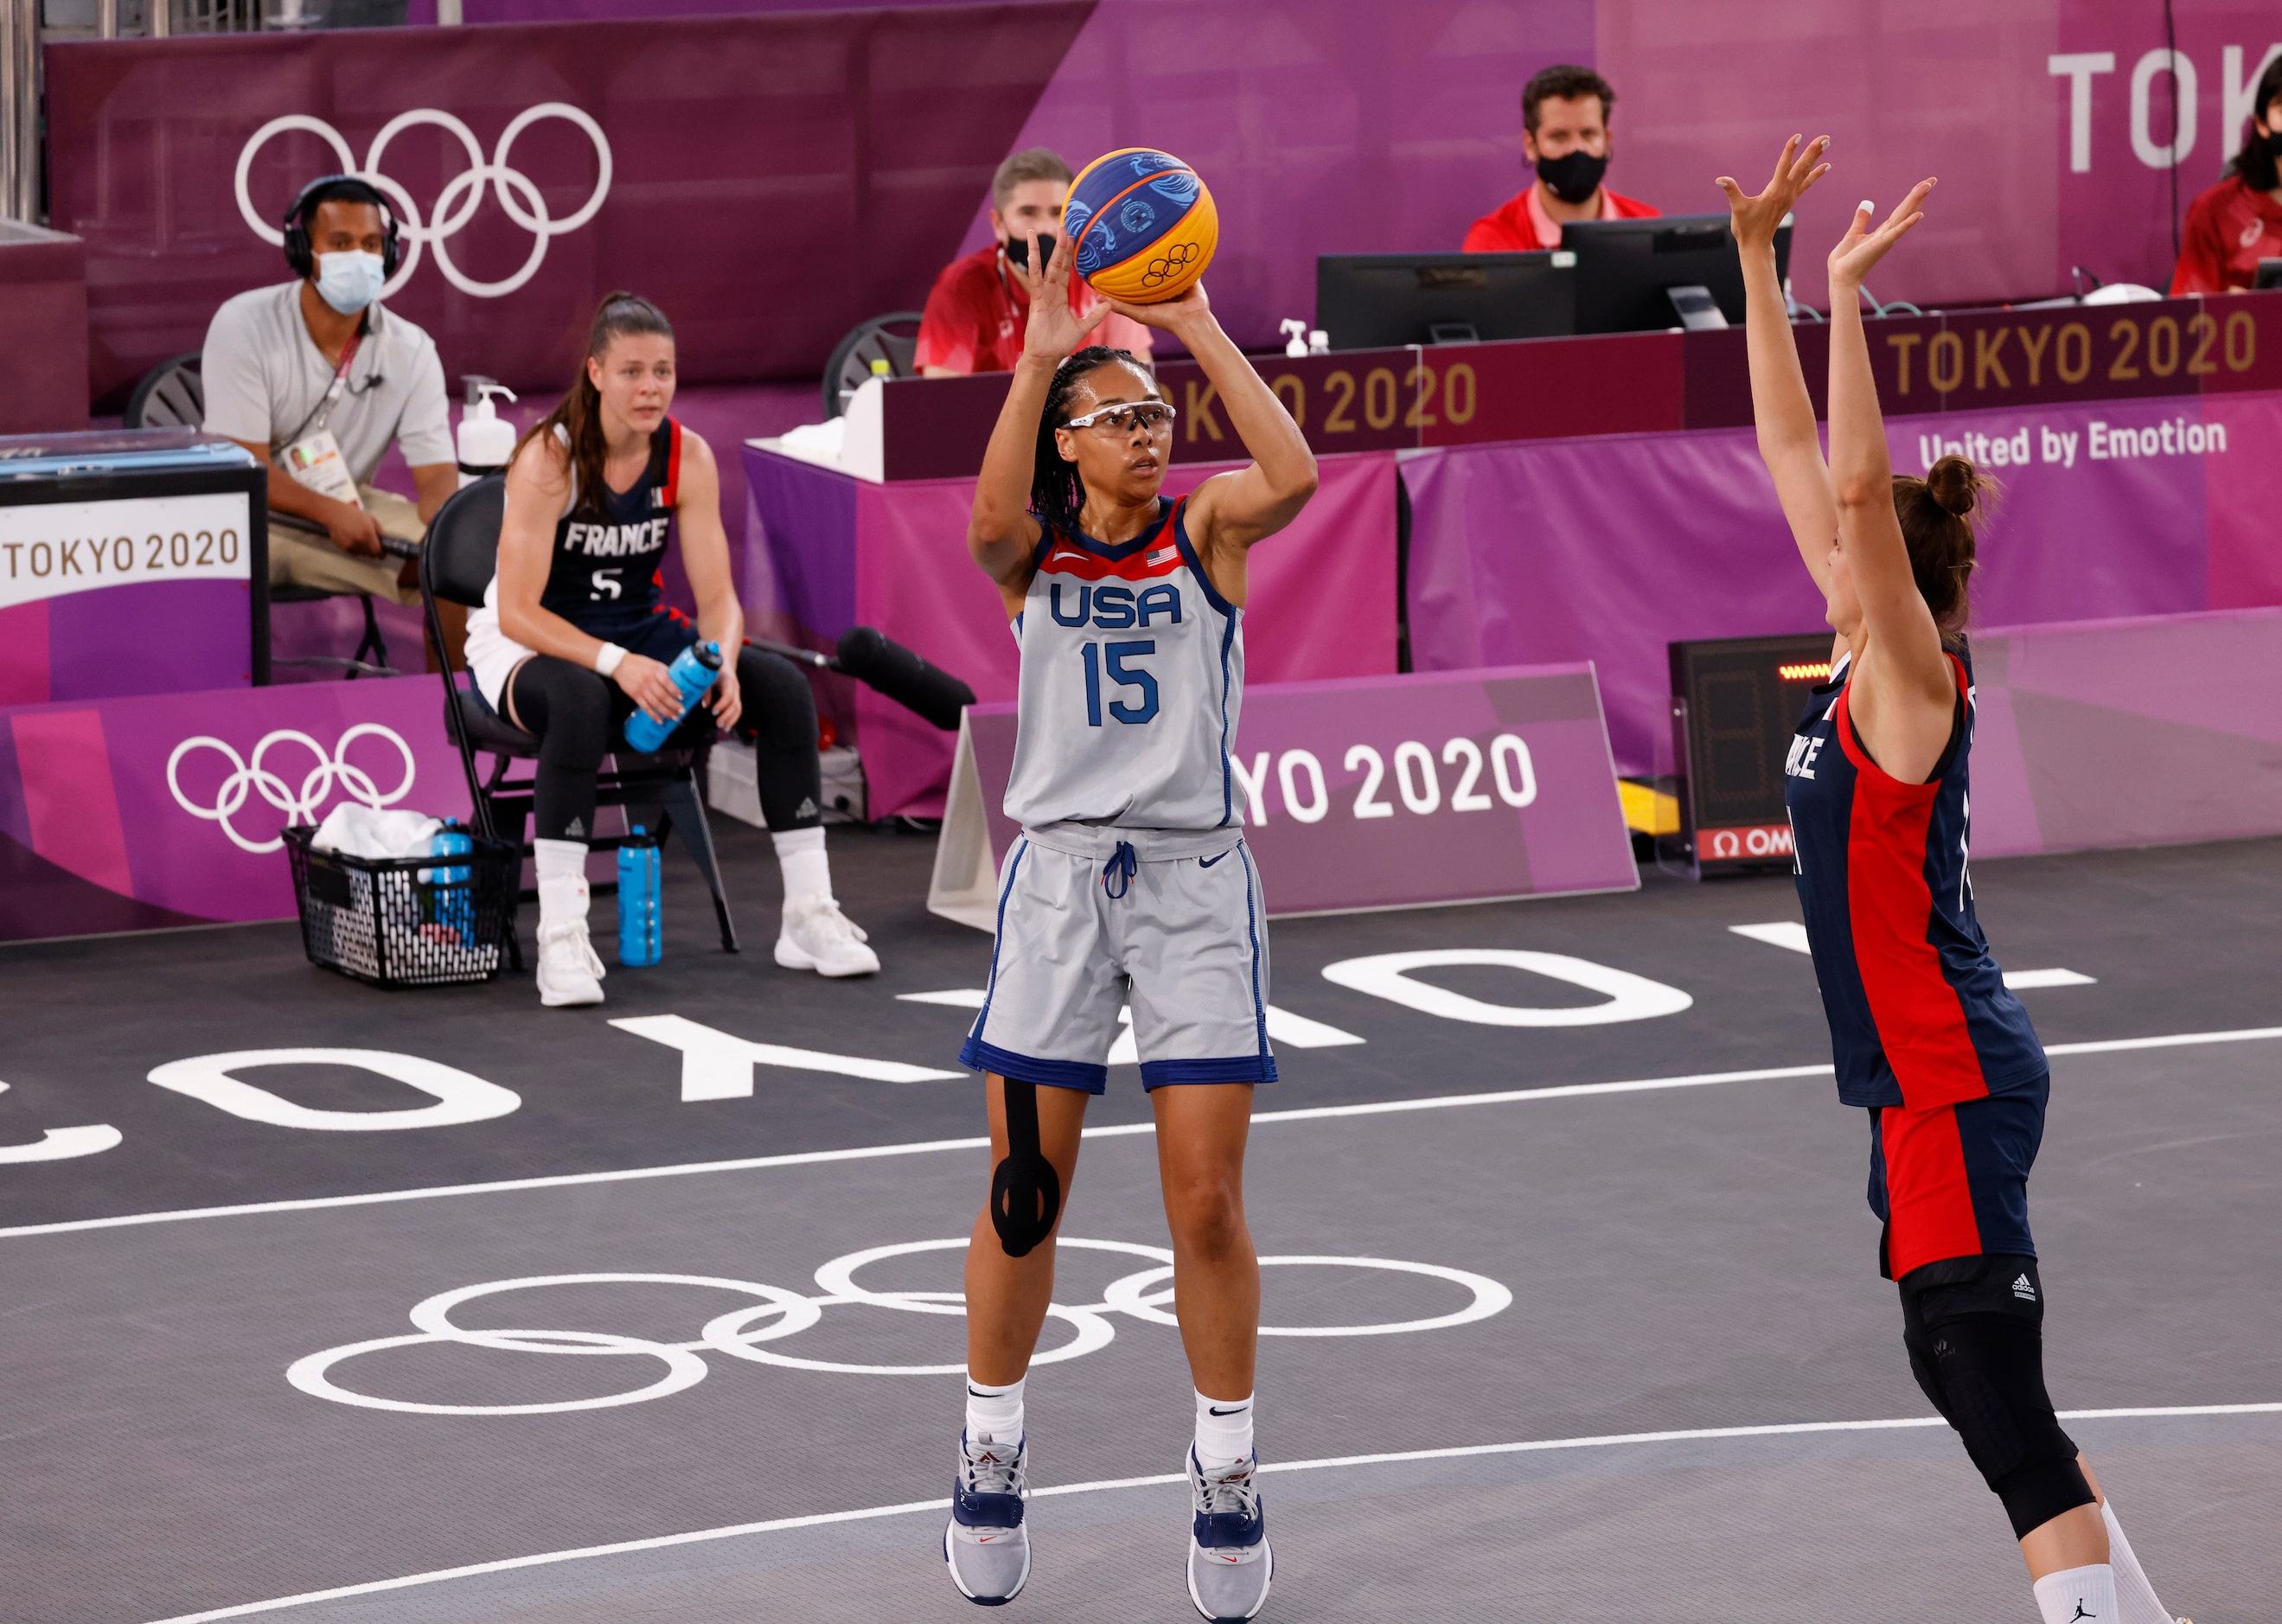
{"x": 552, "y": 1181}
{"x": 1707, "y": 1434}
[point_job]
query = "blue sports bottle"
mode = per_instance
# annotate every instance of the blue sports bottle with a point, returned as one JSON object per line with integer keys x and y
{"x": 456, "y": 908}
{"x": 640, "y": 930}
{"x": 692, "y": 671}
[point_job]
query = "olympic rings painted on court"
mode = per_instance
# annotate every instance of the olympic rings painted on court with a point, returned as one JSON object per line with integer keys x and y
{"x": 456, "y": 204}
{"x": 299, "y": 806}
{"x": 748, "y": 1333}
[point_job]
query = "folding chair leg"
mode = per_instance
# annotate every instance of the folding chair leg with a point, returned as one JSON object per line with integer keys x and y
{"x": 373, "y": 648}
{"x": 685, "y": 812}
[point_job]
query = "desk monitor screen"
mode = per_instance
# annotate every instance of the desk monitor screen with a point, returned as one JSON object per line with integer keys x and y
{"x": 2270, "y": 273}
{"x": 1369, "y": 301}
{"x": 1634, "y": 276}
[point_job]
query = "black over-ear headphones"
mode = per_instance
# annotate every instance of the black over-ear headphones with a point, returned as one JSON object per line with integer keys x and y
{"x": 296, "y": 221}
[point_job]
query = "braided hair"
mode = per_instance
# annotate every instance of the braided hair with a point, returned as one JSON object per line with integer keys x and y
{"x": 1057, "y": 494}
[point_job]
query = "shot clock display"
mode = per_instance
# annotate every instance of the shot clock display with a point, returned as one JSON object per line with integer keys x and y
{"x": 1734, "y": 703}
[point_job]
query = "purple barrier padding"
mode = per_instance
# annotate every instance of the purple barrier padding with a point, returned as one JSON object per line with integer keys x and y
{"x": 2127, "y": 733}
{"x": 842, "y": 552}
{"x": 1608, "y": 548}
{"x": 1392, "y": 827}
{"x": 775, "y": 180}
{"x": 179, "y": 635}
{"x": 91, "y": 817}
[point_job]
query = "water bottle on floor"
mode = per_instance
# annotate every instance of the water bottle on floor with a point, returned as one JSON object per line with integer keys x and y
{"x": 692, "y": 671}
{"x": 641, "y": 934}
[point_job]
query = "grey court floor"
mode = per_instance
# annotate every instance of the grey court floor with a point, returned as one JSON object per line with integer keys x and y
{"x": 1542, "y": 1349}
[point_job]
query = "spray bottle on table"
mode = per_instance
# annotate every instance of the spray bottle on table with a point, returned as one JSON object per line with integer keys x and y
{"x": 485, "y": 439}
{"x": 640, "y": 928}
{"x": 693, "y": 673}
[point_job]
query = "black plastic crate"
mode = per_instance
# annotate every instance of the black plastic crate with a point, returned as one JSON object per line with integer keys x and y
{"x": 395, "y": 921}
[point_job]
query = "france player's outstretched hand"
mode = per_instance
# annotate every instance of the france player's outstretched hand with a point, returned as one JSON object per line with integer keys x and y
{"x": 1754, "y": 220}
{"x": 1054, "y": 330}
{"x": 1861, "y": 248}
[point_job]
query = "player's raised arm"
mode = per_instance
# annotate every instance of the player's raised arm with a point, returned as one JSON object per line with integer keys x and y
{"x": 1001, "y": 534}
{"x": 1907, "y": 689}
{"x": 1230, "y": 512}
{"x": 1780, "y": 407}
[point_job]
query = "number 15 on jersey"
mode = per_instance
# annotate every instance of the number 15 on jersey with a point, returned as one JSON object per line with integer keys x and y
{"x": 1109, "y": 660}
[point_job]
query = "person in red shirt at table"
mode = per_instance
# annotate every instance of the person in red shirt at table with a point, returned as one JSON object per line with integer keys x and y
{"x": 2239, "y": 221}
{"x": 1564, "y": 132}
{"x": 976, "y": 314}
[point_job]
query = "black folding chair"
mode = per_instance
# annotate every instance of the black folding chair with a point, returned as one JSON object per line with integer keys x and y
{"x": 173, "y": 394}
{"x": 456, "y": 564}
{"x": 893, "y": 338}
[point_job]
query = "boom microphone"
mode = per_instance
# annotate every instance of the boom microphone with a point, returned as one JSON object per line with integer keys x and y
{"x": 888, "y": 668}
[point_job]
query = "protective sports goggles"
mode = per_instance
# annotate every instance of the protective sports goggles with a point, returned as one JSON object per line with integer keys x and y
{"x": 1155, "y": 416}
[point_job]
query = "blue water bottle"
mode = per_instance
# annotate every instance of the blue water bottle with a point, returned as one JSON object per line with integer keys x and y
{"x": 693, "y": 673}
{"x": 641, "y": 936}
{"x": 456, "y": 908}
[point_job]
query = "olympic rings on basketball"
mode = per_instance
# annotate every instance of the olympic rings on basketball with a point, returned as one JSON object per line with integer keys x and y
{"x": 750, "y": 1333}
{"x": 461, "y": 196}
{"x": 1174, "y": 261}
{"x": 300, "y": 806}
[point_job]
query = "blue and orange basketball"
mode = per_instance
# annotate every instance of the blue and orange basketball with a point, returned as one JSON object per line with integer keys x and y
{"x": 1144, "y": 226}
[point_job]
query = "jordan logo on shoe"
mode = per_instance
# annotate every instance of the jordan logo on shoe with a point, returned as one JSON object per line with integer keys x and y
{"x": 2028, "y": 1293}
{"x": 2081, "y": 1613}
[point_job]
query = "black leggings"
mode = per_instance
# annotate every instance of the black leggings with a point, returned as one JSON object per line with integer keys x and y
{"x": 575, "y": 714}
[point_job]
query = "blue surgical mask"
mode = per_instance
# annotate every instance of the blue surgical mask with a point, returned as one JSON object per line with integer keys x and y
{"x": 349, "y": 282}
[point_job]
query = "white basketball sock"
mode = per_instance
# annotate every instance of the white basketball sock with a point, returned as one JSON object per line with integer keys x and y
{"x": 2078, "y": 1596}
{"x": 807, "y": 871}
{"x": 562, "y": 866}
{"x": 994, "y": 1412}
{"x": 2135, "y": 1597}
{"x": 1223, "y": 1431}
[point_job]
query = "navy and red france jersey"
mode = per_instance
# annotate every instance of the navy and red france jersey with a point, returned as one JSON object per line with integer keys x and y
{"x": 603, "y": 578}
{"x": 1919, "y": 1015}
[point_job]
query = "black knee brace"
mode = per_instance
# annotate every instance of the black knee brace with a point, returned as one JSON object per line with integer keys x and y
{"x": 1974, "y": 1329}
{"x": 1026, "y": 1192}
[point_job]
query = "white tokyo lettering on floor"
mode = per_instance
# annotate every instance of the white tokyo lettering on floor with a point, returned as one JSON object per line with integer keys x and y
{"x": 1790, "y": 934}
{"x": 1348, "y": 1463}
{"x": 1627, "y": 997}
{"x": 717, "y": 1065}
{"x": 457, "y": 1096}
{"x": 748, "y": 1333}
{"x": 63, "y": 1143}
{"x": 1293, "y": 1031}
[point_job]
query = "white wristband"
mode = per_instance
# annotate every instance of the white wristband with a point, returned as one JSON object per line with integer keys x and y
{"x": 607, "y": 658}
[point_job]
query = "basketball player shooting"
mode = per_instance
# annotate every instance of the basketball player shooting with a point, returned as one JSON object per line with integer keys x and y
{"x": 1131, "y": 885}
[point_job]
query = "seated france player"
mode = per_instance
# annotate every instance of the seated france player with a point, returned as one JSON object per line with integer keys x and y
{"x": 574, "y": 636}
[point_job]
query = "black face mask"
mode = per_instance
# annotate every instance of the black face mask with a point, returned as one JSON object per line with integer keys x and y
{"x": 1018, "y": 248}
{"x": 1574, "y": 177}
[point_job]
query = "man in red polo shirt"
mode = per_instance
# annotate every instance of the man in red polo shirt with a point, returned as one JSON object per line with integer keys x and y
{"x": 2239, "y": 221}
{"x": 1564, "y": 133}
{"x": 975, "y": 317}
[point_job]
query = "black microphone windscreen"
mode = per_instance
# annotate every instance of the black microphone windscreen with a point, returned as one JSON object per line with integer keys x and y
{"x": 887, "y": 667}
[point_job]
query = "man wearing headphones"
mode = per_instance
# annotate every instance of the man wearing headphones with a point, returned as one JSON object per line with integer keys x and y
{"x": 317, "y": 380}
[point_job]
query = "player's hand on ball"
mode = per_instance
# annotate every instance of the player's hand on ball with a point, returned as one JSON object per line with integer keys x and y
{"x": 1862, "y": 248}
{"x": 1054, "y": 330}
{"x": 1191, "y": 309}
{"x": 647, "y": 683}
{"x": 1754, "y": 220}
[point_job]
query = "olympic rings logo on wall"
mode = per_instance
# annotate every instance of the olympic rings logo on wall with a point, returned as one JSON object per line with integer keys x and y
{"x": 750, "y": 1333}
{"x": 301, "y": 806}
{"x": 463, "y": 194}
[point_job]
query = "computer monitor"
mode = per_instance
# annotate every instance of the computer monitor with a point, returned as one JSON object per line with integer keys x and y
{"x": 2270, "y": 274}
{"x": 1641, "y": 276}
{"x": 1369, "y": 302}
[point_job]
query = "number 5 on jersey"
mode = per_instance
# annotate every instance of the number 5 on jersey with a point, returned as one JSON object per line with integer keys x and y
{"x": 1110, "y": 658}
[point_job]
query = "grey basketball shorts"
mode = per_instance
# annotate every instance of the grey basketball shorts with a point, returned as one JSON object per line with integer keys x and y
{"x": 1092, "y": 921}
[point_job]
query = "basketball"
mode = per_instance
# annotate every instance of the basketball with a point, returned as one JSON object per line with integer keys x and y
{"x": 1143, "y": 224}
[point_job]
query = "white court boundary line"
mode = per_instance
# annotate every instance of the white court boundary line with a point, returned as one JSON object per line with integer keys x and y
{"x": 1567, "y": 1090}
{"x": 1706, "y": 1434}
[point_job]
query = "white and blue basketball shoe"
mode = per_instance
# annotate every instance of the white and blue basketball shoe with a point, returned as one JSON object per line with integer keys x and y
{"x": 1229, "y": 1563}
{"x": 986, "y": 1542}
